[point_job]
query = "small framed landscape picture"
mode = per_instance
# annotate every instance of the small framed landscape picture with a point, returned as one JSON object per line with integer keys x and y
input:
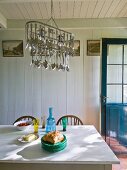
{"x": 76, "y": 47}
{"x": 12, "y": 48}
{"x": 93, "y": 47}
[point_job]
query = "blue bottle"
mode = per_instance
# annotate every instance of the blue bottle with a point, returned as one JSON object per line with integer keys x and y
{"x": 51, "y": 124}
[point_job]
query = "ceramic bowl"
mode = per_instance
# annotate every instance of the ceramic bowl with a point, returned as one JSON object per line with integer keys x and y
{"x": 23, "y": 125}
{"x": 54, "y": 147}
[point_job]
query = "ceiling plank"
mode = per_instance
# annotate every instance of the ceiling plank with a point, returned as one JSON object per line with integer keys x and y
{"x": 123, "y": 11}
{"x": 77, "y": 7}
{"x": 30, "y": 11}
{"x": 70, "y": 9}
{"x": 16, "y": 12}
{"x": 91, "y": 8}
{"x": 10, "y": 11}
{"x": 104, "y": 9}
{"x": 60, "y": 9}
{"x": 36, "y": 10}
{"x": 43, "y": 10}
{"x": 98, "y": 8}
{"x": 48, "y": 8}
{"x": 84, "y": 9}
{"x": 4, "y": 11}
{"x": 22, "y": 9}
{"x": 40, "y": 10}
{"x": 112, "y": 8}
{"x": 64, "y": 9}
{"x": 57, "y": 10}
{"x": 125, "y": 14}
{"x": 118, "y": 8}
{"x": 23, "y": 1}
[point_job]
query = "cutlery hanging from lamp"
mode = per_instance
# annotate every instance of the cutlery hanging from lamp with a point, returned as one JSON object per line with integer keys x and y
{"x": 49, "y": 46}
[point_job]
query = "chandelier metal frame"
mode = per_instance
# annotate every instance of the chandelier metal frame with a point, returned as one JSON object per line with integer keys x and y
{"x": 49, "y": 46}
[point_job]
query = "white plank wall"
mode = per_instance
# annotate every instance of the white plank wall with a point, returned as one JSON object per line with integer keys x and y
{"x": 26, "y": 90}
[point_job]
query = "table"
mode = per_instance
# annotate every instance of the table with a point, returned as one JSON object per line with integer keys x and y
{"x": 86, "y": 150}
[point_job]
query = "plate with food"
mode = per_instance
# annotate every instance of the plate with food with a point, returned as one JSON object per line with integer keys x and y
{"x": 28, "y": 138}
{"x": 23, "y": 125}
{"x": 54, "y": 141}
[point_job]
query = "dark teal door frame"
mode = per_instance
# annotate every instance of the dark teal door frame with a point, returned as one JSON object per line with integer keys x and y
{"x": 105, "y": 43}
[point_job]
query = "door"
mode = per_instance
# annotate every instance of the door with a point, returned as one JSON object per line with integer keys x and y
{"x": 114, "y": 93}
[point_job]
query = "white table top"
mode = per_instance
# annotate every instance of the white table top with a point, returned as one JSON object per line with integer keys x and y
{"x": 84, "y": 146}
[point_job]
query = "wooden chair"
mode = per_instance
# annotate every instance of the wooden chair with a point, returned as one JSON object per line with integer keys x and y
{"x": 31, "y": 118}
{"x": 71, "y": 119}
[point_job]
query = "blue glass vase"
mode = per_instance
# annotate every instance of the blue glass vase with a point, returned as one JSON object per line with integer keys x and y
{"x": 51, "y": 124}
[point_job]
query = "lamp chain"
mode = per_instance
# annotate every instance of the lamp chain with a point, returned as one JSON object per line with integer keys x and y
{"x": 52, "y": 8}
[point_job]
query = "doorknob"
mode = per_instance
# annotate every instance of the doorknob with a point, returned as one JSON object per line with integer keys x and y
{"x": 103, "y": 98}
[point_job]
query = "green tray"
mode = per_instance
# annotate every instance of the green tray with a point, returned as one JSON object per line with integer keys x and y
{"x": 54, "y": 147}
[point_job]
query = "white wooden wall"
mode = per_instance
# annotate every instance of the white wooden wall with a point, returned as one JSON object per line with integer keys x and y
{"x": 26, "y": 90}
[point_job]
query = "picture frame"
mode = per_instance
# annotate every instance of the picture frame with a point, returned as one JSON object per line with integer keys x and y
{"x": 93, "y": 47}
{"x": 12, "y": 48}
{"x": 76, "y": 47}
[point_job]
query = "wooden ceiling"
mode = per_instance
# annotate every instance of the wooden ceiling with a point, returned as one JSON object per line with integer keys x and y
{"x": 41, "y": 9}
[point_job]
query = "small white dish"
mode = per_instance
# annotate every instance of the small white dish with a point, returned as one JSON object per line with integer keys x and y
{"x": 17, "y": 125}
{"x": 23, "y": 141}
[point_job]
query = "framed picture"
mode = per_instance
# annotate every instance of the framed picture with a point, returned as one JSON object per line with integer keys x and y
{"x": 12, "y": 48}
{"x": 76, "y": 47}
{"x": 93, "y": 47}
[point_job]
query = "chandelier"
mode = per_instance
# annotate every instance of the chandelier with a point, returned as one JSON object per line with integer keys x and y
{"x": 49, "y": 46}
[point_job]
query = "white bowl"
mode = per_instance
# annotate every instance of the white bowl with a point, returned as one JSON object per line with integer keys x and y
{"x": 30, "y": 123}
